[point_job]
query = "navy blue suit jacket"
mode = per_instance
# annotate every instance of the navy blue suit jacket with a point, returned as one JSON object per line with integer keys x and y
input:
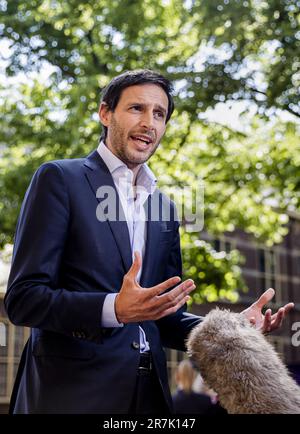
{"x": 65, "y": 262}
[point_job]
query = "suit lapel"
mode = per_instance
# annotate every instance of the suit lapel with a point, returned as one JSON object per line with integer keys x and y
{"x": 98, "y": 175}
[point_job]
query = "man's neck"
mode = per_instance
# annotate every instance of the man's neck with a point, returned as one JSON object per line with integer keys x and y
{"x": 133, "y": 167}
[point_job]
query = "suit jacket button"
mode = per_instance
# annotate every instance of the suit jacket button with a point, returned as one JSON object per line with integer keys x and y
{"x": 135, "y": 345}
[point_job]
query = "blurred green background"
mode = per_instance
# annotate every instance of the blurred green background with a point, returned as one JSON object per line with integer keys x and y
{"x": 235, "y": 66}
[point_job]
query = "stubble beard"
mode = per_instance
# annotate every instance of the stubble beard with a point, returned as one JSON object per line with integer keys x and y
{"x": 118, "y": 140}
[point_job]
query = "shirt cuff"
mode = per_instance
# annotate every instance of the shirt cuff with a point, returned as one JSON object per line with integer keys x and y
{"x": 109, "y": 318}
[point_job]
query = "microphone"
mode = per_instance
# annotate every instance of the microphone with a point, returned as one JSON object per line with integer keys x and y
{"x": 243, "y": 368}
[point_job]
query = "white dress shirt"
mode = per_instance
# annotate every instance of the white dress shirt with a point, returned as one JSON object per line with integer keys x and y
{"x": 132, "y": 201}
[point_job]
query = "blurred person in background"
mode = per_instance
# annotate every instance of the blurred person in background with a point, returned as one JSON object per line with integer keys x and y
{"x": 192, "y": 395}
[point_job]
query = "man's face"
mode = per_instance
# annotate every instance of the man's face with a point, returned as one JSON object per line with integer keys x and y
{"x": 138, "y": 123}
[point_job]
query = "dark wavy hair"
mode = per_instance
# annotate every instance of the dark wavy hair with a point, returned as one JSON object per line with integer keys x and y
{"x": 112, "y": 92}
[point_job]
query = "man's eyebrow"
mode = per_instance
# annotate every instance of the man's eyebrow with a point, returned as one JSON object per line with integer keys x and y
{"x": 161, "y": 108}
{"x": 143, "y": 104}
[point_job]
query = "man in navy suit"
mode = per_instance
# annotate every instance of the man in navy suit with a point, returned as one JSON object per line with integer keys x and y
{"x": 96, "y": 269}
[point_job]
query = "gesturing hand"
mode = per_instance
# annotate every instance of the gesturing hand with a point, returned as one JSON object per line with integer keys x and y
{"x": 268, "y": 322}
{"x": 134, "y": 303}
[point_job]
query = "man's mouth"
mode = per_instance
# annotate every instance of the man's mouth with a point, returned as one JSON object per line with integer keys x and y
{"x": 142, "y": 139}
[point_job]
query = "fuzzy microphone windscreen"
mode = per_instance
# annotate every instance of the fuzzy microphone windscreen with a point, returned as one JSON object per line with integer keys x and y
{"x": 238, "y": 362}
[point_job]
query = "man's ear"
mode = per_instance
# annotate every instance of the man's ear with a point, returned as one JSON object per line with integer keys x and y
{"x": 104, "y": 114}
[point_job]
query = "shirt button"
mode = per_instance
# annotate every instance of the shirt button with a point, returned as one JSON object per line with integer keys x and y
{"x": 135, "y": 345}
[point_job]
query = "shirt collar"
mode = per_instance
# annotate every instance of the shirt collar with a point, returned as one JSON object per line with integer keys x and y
{"x": 112, "y": 162}
{"x": 145, "y": 176}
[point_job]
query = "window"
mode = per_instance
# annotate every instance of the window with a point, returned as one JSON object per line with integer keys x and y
{"x": 261, "y": 260}
{"x": 217, "y": 245}
{"x": 11, "y": 348}
{"x": 223, "y": 244}
{"x": 3, "y": 378}
{"x": 269, "y": 270}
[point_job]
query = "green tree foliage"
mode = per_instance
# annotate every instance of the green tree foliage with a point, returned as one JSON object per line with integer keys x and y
{"x": 213, "y": 51}
{"x": 217, "y": 274}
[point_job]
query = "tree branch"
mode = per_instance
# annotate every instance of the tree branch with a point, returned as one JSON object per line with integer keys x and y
{"x": 284, "y": 107}
{"x": 288, "y": 109}
{"x": 98, "y": 65}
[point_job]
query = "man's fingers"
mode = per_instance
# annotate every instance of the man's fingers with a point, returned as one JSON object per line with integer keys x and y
{"x": 185, "y": 286}
{"x": 173, "y": 298}
{"x": 170, "y": 299}
{"x": 154, "y": 305}
{"x": 265, "y": 298}
{"x": 277, "y": 318}
{"x": 162, "y": 287}
{"x": 173, "y": 309}
{"x": 285, "y": 308}
{"x": 180, "y": 291}
{"x": 136, "y": 265}
{"x": 266, "y": 327}
{"x": 288, "y": 307}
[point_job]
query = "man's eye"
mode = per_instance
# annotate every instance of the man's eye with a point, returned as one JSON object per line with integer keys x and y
{"x": 160, "y": 115}
{"x": 136, "y": 107}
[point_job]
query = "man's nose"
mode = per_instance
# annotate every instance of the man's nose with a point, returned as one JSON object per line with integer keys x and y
{"x": 147, "y": 120}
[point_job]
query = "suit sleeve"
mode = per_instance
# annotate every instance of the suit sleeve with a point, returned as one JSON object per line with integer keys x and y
{"x": 174, "y": 329}
{"x": 33, "y": 297}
